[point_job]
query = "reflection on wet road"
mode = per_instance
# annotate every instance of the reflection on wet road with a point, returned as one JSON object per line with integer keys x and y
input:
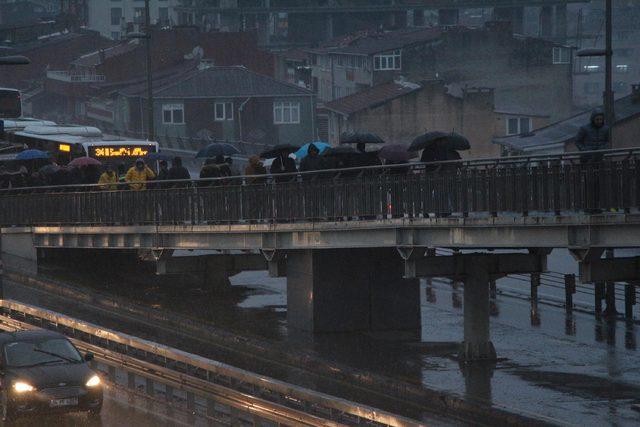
{"x": 120, "y": 409}
{"x": 573, "y": 368}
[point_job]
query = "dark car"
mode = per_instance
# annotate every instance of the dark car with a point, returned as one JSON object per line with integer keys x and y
{"x": 41, "y": 372}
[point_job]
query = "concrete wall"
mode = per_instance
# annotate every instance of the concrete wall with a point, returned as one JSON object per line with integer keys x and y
{"x": 431, "y": 108}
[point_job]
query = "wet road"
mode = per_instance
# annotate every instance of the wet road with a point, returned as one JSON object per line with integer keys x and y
{"x": 120, "y": 409}
{"x": 574, "y": 369}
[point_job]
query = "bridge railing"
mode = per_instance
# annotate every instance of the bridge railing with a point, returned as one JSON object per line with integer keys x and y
{"x": 516, "y": 185}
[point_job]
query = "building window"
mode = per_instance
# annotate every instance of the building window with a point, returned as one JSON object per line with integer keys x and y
{"x": 622, "y": 68}
{"x": 138, "y": 15}
{"x": 518, "y": 125}
{"x": 286, "y": 113}
{"x": 561, "y": 55}
{"x": 115, "y": 35}
{"x": 173, "y": 114}
{"x": 163, "y": 15}
{"x": 224, "y": 111}
{"x": 388, "y": 61}
{"x": 116, "y": 15}
{"x": 591, "y": 68}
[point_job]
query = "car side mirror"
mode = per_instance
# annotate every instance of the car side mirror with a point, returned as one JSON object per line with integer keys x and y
{"x": 88, "y": 357}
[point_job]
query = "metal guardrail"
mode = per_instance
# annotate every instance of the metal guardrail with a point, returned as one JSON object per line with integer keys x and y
{"x": 213, "y": 382}
{"x": 515, "y": 185}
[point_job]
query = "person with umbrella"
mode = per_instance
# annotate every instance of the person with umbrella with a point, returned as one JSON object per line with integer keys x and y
{"x": 177, "y": 171}
{"x": 108, "y": 180}
{"x": 255, "y": 167}
{"x": 138, "y": 175}
{"x": 282, "y": 164}
{"x": 312, "y": 161}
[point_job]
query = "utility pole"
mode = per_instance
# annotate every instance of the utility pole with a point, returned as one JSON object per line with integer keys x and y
{"x": 147, "y": 30}
{"x": 608, "y": 84}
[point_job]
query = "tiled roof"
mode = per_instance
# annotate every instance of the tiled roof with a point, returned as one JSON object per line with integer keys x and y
{"x": 372, "y": 43}
{"x": 562, "y": 132}
{"x": 373, "y": 97}
{"x": 227, "y": 82}
{"x": 95, "y": 58}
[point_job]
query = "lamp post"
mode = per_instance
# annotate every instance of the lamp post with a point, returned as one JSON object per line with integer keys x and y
{"x": 146, "y": 35}
{"x": 607, "y": 52}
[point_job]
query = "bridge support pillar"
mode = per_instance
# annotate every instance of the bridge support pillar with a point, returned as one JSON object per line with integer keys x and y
{"x": 477, "y": 343}
{"x": 347, "y": 290}
{"x": 477, "y": 271}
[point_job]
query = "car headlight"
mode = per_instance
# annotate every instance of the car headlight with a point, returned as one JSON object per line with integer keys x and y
{"x": 94, "y": 381}
{"x": 22, "y": 387}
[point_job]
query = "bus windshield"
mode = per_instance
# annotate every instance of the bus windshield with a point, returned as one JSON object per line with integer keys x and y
{"x": 10, "y": 104}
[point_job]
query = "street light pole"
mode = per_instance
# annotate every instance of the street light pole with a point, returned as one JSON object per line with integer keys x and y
{"x": 608, "y": 84}
{"x": 150, "y": 124}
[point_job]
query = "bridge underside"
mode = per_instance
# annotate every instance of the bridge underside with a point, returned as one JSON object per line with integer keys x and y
{"x": 580, "y": 231}
{"x": 363, "y": 275}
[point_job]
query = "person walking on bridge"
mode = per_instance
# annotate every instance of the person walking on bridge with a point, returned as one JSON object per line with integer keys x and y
{"x": 138, "y": 175}
{"x": 108, "y": 180}
{"x": 591, "y": 137}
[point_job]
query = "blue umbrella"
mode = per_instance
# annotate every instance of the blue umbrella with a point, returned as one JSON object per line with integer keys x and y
{"x": 32, "y": 155}
{"x": 304, "y": 150}
{"x": 217, "y": 149}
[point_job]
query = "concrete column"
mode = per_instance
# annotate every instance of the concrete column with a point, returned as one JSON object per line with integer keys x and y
{"x": 546, "y": 21}
{"x": 477, "y": 343}
{"x": 610, "y": 291}
{"x": 346, "y": 290}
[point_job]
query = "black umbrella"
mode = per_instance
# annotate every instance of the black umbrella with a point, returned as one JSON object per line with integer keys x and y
{"x": 217, "y": 149}
{"x": 279, "y": 150}
{"x": 449, "y": 141}
{"x": 340, "y": 151}
{"x": 360, "y": 138}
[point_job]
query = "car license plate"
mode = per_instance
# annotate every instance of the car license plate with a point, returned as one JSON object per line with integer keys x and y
{"x": 54, "y": 403}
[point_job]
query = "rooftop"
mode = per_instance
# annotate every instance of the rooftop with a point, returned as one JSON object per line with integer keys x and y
{"x": 369, "y": 43}
{"x": 97, "y": 57}
{"x": 556, "y": 135}
{"x": 372, "y": 97}
{"x": 222, "y": 82}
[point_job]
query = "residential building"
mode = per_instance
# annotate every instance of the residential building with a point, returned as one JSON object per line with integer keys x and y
{"x": 286, "y": 23}
{"x": 399, "y": 111}
{"x": 116, "y": 18}
{"x": 20, "y": 13}
{"x": 53, "y": 51}
{"x": 223, "y": 103}
{"x": 589, "y": 72}
{"x": 525, "y": 71}
{"x": 559, "y": 137}
{"x": 82, "y": 88}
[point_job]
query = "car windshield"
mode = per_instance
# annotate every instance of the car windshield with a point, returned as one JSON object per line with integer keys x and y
{"x": 21, "y": 354}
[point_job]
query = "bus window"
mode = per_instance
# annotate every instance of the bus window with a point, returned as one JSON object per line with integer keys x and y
{"x": 10, "y": 104}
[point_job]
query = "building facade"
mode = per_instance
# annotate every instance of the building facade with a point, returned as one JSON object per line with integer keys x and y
{"x": 116, "y": 18}
{"x": 223, "y": 104}
{"x": 529, "y": 72}
{"x": 400, "y": 111}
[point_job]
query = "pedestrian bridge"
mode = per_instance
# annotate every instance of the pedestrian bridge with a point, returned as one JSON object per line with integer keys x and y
{"x": 351, "y": 241}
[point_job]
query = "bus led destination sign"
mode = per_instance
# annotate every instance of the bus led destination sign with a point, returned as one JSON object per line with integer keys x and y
{"x": 116, "y": 151}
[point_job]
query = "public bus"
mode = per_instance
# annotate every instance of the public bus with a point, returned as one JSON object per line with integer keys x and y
{"x": 66, "y": 143}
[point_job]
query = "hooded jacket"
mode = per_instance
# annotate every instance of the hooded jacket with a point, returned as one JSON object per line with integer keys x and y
{"x": 591, "y": 137}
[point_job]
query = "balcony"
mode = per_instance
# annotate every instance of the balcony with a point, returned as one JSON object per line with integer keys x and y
{"x": 66, "y": 76}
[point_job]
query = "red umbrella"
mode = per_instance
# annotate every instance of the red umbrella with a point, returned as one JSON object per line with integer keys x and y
{"x": 84, "y": 161}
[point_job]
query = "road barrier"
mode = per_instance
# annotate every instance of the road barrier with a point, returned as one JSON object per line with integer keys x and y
{"x": 218, "y": 391}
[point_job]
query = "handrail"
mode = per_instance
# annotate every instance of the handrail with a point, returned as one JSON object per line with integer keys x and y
{"x": 212, "y": 367}
{"x": 497, "y": 161}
